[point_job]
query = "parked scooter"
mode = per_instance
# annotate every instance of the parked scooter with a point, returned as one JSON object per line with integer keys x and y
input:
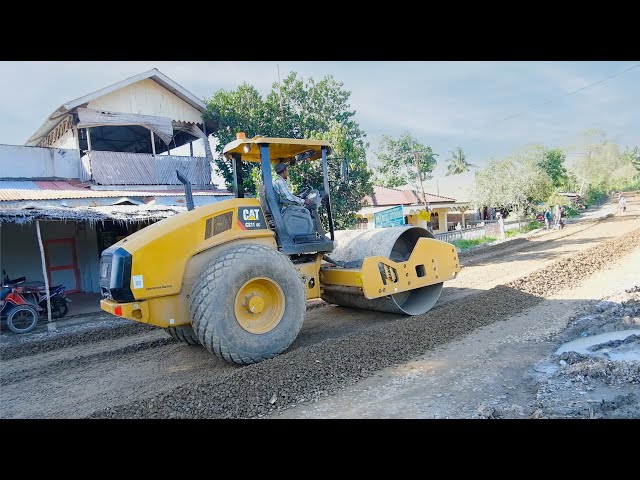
{"x": 37, "y": 294}
{"x": 20, "y": 299}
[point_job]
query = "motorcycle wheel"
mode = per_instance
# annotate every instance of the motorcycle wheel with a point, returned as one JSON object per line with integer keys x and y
{"x": 59, "y": 307}
{"x": 22, "y": 319}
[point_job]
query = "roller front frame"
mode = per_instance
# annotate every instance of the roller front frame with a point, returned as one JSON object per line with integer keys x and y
{"x": 431, "y": 262}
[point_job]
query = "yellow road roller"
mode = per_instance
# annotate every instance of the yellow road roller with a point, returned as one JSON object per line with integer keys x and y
{"x": 235, "y": 275}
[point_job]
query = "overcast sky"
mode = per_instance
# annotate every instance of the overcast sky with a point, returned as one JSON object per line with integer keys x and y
{"x": 442, "y": 104}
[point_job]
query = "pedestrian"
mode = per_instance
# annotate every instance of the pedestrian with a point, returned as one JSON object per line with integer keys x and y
{"x": 622, "y": 203}
{"x": 547, "y": 219}
{"x": 500, "y": 224}
{"x": 556, "y": 217}
{"x": 563, "y": 214}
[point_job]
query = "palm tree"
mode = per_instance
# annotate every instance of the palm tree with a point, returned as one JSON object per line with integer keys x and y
{"x": 457, "y": 163}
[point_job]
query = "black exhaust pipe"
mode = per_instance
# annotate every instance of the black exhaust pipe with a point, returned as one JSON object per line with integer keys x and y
{"x": 187, "y": 190}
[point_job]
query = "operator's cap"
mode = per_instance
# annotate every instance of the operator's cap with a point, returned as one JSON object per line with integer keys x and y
{"x": 280, "y": 167}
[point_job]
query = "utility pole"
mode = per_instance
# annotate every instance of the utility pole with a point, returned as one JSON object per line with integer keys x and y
{"x": 415, "y": 157}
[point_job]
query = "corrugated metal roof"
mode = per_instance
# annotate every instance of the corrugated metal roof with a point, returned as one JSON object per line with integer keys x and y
{"x": 37, "y": 185}
{"x": 56, "y": 185}
{"x": 18, "y": 185}
{"x": 118, "y": 213}
{"x": 13, "y": 195}
{"x": 123, "y": 168}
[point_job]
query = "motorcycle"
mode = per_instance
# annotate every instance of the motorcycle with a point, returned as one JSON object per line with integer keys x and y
{"x": 20, "y": 315}
{"x": 37, "y": 295}
{"x": 20, "y": 300}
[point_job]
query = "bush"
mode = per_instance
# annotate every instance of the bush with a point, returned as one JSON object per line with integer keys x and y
{"x": 571, "y": 212}
{"x": 595, "y": 196}
{"x": 527, "y": 228}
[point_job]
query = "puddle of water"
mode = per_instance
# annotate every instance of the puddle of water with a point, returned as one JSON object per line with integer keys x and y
{"x": 582, "y": 345}
{"x": 628, "y": 356}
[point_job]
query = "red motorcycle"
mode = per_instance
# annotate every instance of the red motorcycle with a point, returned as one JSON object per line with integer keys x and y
{"x": 19, "y": 300}
{"x": 20, "y": 315}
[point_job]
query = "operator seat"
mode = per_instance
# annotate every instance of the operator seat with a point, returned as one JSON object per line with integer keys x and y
{"x": 297, "y": 220}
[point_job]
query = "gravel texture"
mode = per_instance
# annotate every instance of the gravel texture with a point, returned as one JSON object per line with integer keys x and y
{"x": 81, "y": 334}
{"x": 317, "y": 370}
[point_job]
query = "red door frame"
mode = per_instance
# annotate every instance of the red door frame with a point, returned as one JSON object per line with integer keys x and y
{"x": 73, "y": 265}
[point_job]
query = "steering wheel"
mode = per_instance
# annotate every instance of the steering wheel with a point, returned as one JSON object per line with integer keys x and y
{"x": 305, "y": 191}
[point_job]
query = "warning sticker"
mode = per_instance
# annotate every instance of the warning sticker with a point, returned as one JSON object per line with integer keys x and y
{"x": 137, "y": 281}
{"x": 250, "y": 218}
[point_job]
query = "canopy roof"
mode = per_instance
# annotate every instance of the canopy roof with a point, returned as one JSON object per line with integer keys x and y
{"x": 285, "y": 148}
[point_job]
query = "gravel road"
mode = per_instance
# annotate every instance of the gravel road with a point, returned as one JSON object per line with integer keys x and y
{"x": 111, "y": 368}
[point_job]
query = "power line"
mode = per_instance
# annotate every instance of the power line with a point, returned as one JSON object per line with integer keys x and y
{"x": 567, "y": 94}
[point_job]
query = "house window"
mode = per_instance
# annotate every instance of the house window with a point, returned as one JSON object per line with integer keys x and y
{"x": 434, "y": 223}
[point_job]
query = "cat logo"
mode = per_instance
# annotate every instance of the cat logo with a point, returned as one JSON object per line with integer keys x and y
{"x": 250, "y": 218}
{"x": 250, "y": 213}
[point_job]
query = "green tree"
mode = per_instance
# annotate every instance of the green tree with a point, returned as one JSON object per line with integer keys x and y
{"x": 517, "y": 181}
{"x": 457, "y": 163}
{"x": 632, "y": 154}
{"x": 602, "y": 168}
{"x": 553, "y": 164}
{"x": 347, "y": 195}
{"x": 404, "y": 161}
{"x": 297, "y": 108}
{"x": 241, "y": 110}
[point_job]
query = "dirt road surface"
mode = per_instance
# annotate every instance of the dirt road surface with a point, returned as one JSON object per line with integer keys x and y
{"x": 493, "y": 347}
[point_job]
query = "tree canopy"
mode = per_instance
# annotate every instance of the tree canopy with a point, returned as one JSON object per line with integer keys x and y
{"x": 404, "y": 160}
{"x": 632, "y": 154}
{"x": 346, "y": 194}
{"x": 517, "y": 180}
{"x": 553, "y": 163}
{"x": 297, "y": 108}
{"x": 602, "y": 166}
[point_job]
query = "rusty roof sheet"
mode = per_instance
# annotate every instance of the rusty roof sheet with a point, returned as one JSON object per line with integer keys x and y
{"x": 391, "y": 196}
{"x": 56, "y": 185}
{"x": 27, "y": 193}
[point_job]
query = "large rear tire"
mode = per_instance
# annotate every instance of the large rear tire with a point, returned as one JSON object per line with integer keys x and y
{"x": 248, "y": 304}
{"x": 22, "y": 319}
{"x": 184, "y": 334}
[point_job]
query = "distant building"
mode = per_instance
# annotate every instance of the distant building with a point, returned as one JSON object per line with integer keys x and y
{"x": 100, "y": 168}
{"x": 416, "y": 208}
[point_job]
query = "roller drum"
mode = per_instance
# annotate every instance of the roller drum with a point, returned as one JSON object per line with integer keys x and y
{"x": 394, "y": 243}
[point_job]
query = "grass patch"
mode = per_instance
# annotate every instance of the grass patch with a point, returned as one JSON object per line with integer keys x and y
{"x": 571, "y": 212}
{"x": 527, "y": 228}
{"x": 464, "y": 244}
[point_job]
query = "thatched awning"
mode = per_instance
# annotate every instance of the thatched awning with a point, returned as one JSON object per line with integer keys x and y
{"x": 117, "y": 213}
